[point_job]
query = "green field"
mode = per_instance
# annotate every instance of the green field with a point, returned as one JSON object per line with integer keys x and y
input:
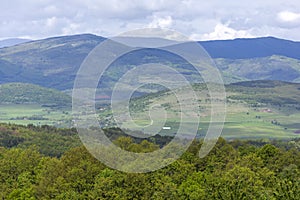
{"x": 34, "y": 114}
{"x": 255, "y": 110}
{"x": 252, "y": 123}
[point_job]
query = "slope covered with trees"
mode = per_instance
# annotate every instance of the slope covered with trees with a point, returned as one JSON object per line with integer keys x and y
{"x": 54, "y": 62}
{"x": 232, "y": 170}
{"x": 25, "y": 93}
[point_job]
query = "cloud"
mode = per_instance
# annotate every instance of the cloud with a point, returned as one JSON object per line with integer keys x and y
{"x": 161, "y": 22}
{"x": 287, "y": 16}
{"x": 213, "y": 19}
{"x": 222, "y": 31}
{"x": 51, "y": 22}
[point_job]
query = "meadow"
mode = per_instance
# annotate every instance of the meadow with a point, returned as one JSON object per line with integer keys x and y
{"x": 254, "y": 110}
{"x": 34, "y": 114}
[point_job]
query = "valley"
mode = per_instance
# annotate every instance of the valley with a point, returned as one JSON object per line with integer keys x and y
{"x": 255, "y": 109}
{"x": 37, "y": 78}
{"x": 22, "y": 103}
{"x": 150, "y": 100}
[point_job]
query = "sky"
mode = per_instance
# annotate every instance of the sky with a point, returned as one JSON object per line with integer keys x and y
{"x": 198, "y": 20}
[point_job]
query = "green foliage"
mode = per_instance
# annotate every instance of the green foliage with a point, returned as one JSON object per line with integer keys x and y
{"x": 48, "y": 140}
{"x": 232, "y": 170}
{"x": 24, "y": 93}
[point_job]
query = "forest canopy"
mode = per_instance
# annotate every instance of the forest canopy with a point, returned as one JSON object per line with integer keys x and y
{"x": 64, "y": 169}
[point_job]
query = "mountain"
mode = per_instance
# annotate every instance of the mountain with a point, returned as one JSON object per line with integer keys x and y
{"x": 12, "y": 41}
{"x": 51, "y": 62}
{"x": 252, "y": 48}
{"x": 54, "y": 62}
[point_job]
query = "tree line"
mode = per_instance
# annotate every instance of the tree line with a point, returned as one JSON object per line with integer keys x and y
{"x": 233, "y": 170}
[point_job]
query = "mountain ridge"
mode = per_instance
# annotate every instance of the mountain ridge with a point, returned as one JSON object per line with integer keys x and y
{"x": 53, "y": 62}
{"x": 242, "y": 48}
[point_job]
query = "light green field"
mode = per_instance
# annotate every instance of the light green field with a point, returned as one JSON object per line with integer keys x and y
{"x": 247, "y": 117}
{"x": 243, "y": 119}
{"x": 34, "y": 114}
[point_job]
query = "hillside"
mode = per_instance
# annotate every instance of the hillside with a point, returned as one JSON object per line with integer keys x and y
{"x": 54, "y": 62}
{"x": 278, "y": 94}
{"x": 255, "y": 109}
{"x": 24, "y": 93}
{"x": 266, "y": 68}
{"x": 51, "y": 62}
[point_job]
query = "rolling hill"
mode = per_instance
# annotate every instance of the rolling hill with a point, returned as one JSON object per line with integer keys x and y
{"x": 24, "y": 103}
{"x": 262, "y": 68}
{"x": 255, "y": 109}
{"x": 24, "y": 93}
{"x": 54, "y": 62}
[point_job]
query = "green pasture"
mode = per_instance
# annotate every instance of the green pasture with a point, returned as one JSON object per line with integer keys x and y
{"x": 34, "y": 114}
{"x": 242, "y": 121}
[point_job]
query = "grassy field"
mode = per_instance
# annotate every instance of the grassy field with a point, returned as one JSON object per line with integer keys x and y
{"x": 257, "y": 123}
{"x": 34, "y": 114}
{"x": 263, "y": 110}
{"x": 255, "y": 110}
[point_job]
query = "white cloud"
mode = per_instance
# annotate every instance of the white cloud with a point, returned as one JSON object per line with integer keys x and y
{"x": 222, "y": 31}
{"x": 287, "y": 16}
{"x": 161, "y": 22}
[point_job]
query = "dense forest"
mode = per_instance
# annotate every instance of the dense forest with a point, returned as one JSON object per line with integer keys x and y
{"x": 44, "y": 162}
